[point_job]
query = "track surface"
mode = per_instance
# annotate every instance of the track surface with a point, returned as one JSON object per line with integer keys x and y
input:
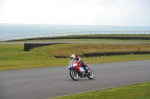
{"x": 55, "y": 81}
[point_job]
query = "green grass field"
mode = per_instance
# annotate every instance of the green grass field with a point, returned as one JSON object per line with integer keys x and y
{"x": 13, "y": 57}
{"x": 136, "y": 91}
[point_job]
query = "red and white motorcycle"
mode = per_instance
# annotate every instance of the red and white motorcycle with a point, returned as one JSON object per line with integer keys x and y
{"x": 76, "y": 71}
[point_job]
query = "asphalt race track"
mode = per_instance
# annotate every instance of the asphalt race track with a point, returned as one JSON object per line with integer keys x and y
{"x": 42, "y": 83}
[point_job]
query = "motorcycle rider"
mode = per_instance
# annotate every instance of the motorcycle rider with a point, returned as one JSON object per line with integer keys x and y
{"x": 80, "y": 62}
{"x": 77, "y": 70}
{"x": 83, "y": 64}
{"x": 72, "y": 57}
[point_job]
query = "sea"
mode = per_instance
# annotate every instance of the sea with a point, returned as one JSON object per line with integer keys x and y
{"x": 22, "y": 30}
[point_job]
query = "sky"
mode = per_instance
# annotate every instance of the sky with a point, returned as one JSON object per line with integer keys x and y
{"x": 76, "y": 12}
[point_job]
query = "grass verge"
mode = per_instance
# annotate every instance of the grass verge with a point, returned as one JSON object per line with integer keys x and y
{"x": 136, "y": 91}
{"x": 13, "y": 57}
{"x": 40, "y": 63}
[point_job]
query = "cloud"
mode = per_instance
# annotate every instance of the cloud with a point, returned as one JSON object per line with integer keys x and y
{"x": 124, "y": 12}
{"x": 91, "y": 12}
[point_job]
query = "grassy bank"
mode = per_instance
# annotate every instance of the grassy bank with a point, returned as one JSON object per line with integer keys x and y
{"x": 120, "y": 35}
{"x": 12, "y": 56}
{"x": 86, "y": 40}
{"x": 137, "y": 91}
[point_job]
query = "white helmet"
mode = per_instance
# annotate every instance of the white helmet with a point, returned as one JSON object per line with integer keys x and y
{"x": 72, "y": 56}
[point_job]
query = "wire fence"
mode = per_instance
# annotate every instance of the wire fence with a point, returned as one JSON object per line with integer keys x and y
{"x": 32, "y": 36}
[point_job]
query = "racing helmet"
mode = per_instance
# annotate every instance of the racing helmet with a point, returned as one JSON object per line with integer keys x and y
{"x": 72, "y": 56}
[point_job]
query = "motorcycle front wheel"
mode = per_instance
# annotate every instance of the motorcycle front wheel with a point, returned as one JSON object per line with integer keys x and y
{"x": 90, "y": 74}
{"x": 74, "y": 75}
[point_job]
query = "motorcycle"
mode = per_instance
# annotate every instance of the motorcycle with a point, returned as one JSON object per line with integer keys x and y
{"x": 77, "y": 71}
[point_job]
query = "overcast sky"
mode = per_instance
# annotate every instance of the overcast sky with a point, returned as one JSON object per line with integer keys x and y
{"x": 76, "y": 12}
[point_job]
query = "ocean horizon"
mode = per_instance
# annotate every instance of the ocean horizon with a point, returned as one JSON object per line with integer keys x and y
{"x": 7, "y": 30}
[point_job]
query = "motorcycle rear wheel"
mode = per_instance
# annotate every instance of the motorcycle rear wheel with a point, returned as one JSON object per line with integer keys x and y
{"x": 74, "y": 74}
{"x": 90, "y": 74}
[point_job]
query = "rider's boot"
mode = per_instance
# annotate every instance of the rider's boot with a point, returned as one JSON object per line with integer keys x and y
{"x": 86, "y": 70}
